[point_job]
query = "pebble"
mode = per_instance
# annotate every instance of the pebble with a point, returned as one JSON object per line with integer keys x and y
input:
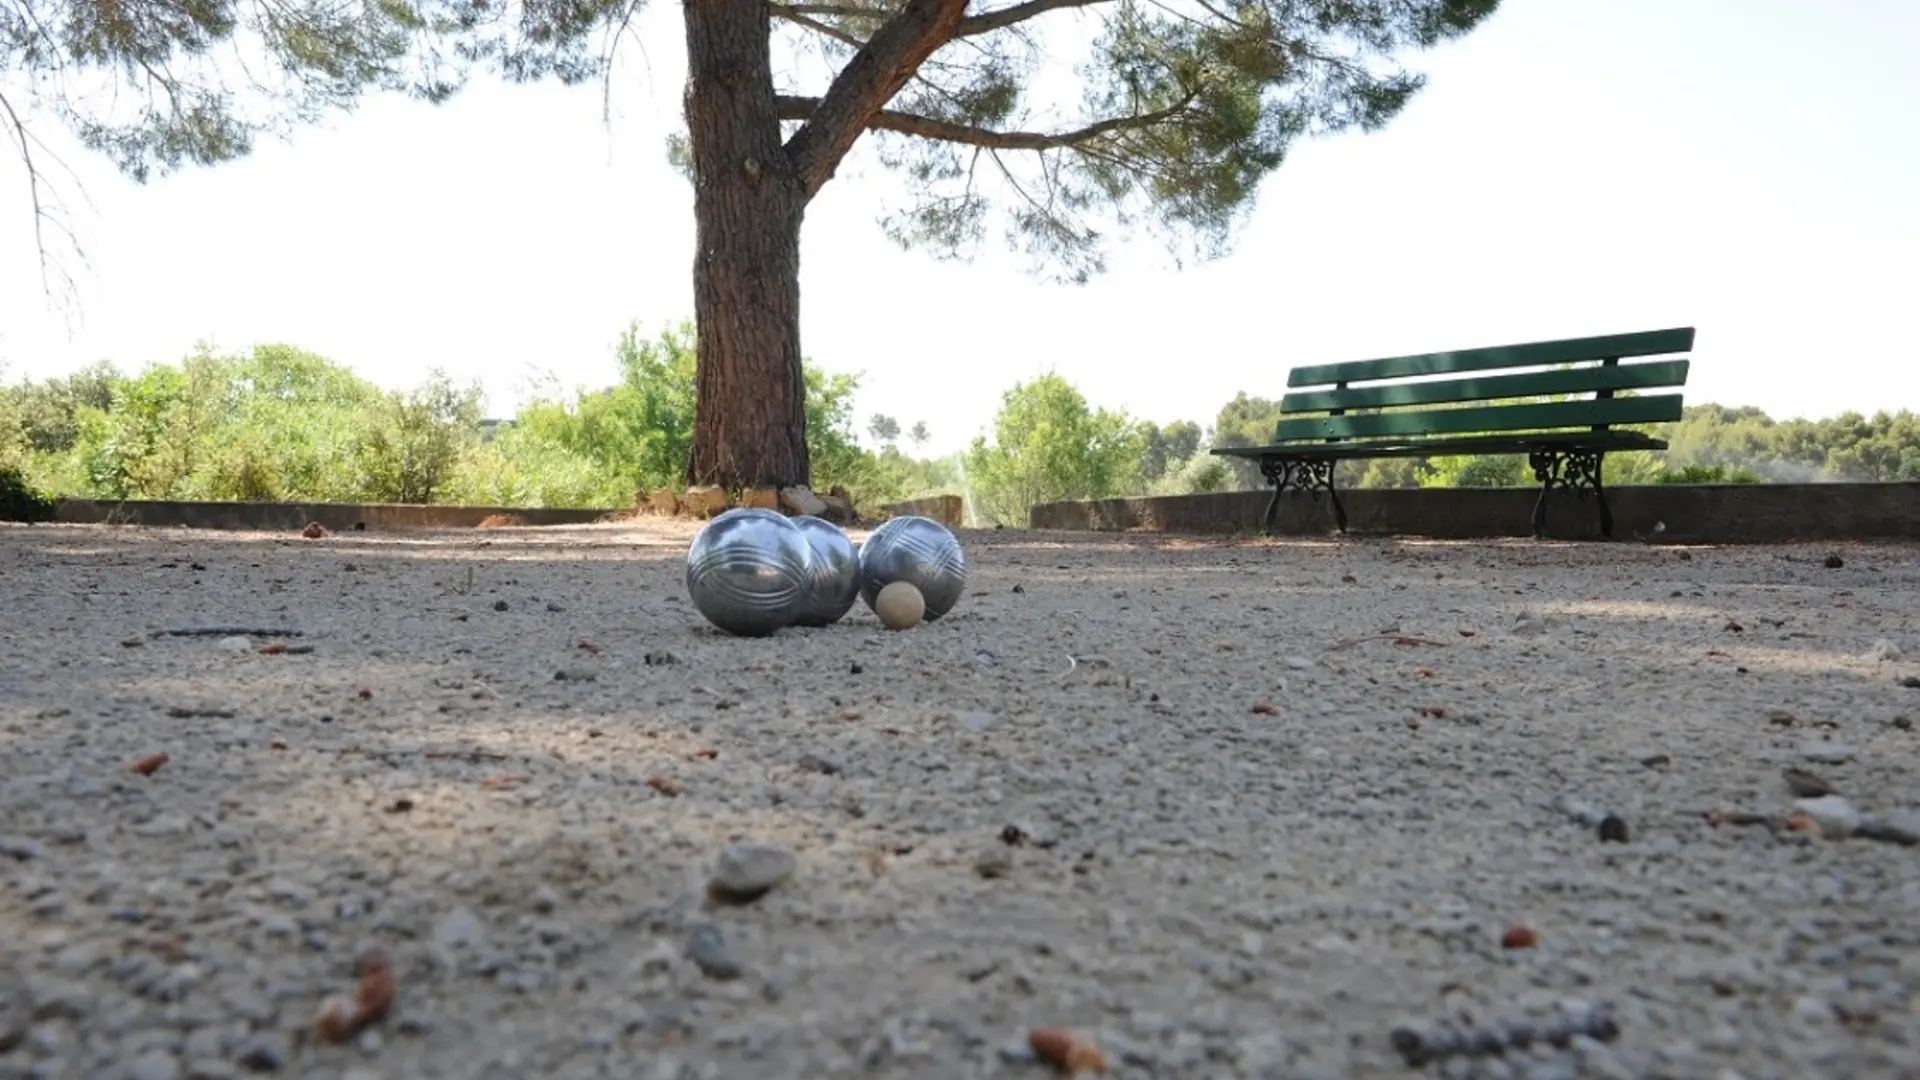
{"x": 1807, "y": 785}
{"x": 246, "y": 1003}
{"x": 20, "y": 850}
{"x": 1827, "y": 753}
{"x": 977, "y": 721}
{"x": 154, "y": 1065}
{"x": 709, "y": 950}
{"x": 1017, "y": 1052}
{"x": 234, "y": 644}
{"x": 1835, "y": 815}
{"x": 1597, "y": 1060}
{"x": 993, "y": 863}
{"x": 746, "y": 872}
{"x": 1898, "y": 827}
{"x": 266, "y": 1052}
{"x": 817, "y": 763}
{"x": 1527, "y": 624}
{"x": 459, "y": 928}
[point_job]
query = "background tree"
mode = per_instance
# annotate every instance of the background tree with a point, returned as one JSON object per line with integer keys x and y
{"x": 418, "y": 438}
{"x": 1245, "y": 421}
{"x": 1185, "y": 107}
{"x": 1048, "y": 445}
{"x": 1167, "y": 449}
{"x": 884, "y": 429}
{"x": 919, "y": 434}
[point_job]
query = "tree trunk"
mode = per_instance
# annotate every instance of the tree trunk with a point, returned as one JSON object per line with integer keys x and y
{"x": 749, "y": 425}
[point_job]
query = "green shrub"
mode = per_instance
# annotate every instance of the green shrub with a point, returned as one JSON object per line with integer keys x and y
{"x": 21, "y": 501}
{"x": 1706, "y": 474}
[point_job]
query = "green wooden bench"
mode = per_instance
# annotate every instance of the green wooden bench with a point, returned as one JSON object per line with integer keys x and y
{"x": 1393, "y": 408}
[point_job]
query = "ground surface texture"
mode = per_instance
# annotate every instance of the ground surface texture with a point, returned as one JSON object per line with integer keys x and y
{"x": 1225, "y": 808}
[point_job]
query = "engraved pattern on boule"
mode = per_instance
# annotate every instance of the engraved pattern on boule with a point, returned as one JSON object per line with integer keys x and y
{"x": 834, "y": 584}
{"x": 918, "y": 550}
{"x": 748, "y": 571}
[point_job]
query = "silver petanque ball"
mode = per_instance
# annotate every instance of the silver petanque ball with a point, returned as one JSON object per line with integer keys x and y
{"x": 835, "y": 582}
{"x": 917, "y": 550}
{"x": 748, "y": 571}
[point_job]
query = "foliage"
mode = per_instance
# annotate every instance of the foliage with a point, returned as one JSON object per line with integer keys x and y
{"x": 154, "y": 85}
{"x": 1203, "y": 474}
{"x": 603, "y": 446}
{"x": 20, "y": 500}
{"x": 281, "y": 423}
{"x": 277, "y": 423}
{"x": 1182, "y": 109}
{"x": 1706, "y": 474}
{"x": 1167, "y": 450}
{"x": 1245, "y": 421}
{"x": 416, "y": 440}
{"x": 1478, "y": 470}
{"x": 1049, "y": 445}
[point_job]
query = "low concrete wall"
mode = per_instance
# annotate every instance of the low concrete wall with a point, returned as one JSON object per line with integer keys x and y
{"x": 945, "y": 509}
{"x": 336, "y": 517}
{"x": 1692, "y": 513}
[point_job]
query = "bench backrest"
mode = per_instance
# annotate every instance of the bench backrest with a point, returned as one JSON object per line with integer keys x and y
{"x": 1365, "y": 385}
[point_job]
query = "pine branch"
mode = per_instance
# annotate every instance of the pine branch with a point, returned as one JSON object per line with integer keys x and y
{"x": 794, "y": 15}
{"x": 866, "y": 84}
{"x": 973, "y": 26}
{"x": 46, "y": 212}
{"x": 990, "y": 21}
{"x": 800, "y": 108}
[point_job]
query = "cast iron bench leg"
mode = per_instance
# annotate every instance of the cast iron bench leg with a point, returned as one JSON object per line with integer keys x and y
{"x": 1540, "y": 512}
{"x": 1273, "y": 510}
{"x": 1606, "y": 515}
{"x": 1339, "y": 512}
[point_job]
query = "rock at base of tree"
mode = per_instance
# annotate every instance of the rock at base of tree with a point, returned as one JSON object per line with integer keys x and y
{"x": 663, "y": 501}
{"x": 840, "y": 508}
{"x": 704, "y": 500}
{"x": 761, "y": 499}
{"x": 836, "y": 509}
{"x": 802, "y": 500}
{"x": 502, "y": 521}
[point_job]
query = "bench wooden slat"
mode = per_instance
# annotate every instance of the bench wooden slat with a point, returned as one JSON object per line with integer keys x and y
{"x": 1656, "y": 409}
{"x": 1489, "y": 444}
{"x": 1568, "y": 350}
{"x": 1492, "y": 387}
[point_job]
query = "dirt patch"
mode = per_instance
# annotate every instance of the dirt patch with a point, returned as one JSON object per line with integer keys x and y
{"x": 502, "y": 521}
{"x": 1209, "y": 808}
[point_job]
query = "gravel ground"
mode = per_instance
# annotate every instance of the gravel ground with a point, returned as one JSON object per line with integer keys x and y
{"x": 1225, "y": 809}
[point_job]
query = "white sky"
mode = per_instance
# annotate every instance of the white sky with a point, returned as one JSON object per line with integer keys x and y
{"x": 1748, "y": 167}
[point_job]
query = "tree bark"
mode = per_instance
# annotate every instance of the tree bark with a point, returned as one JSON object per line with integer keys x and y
{"x": 750, "y": 192}
{"x": 749, "y": 425}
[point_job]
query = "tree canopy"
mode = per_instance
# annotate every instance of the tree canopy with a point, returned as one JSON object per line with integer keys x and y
{"x": 1183, "y": 105}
